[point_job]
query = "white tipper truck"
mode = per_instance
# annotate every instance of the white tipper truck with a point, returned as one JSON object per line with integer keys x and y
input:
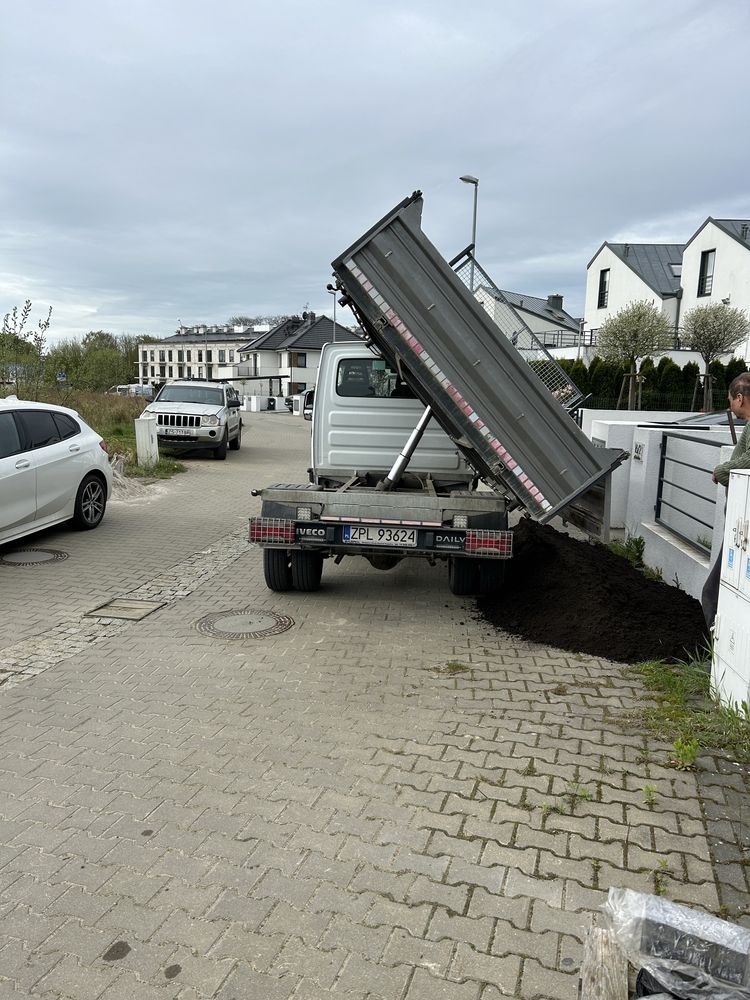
{"x": 427, "y": 433}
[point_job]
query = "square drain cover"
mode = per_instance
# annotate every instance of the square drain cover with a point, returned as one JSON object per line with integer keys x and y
{"x": 125, "y": 607}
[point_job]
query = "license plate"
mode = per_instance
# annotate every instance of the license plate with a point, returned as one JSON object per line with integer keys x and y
{"x": 370, "y": 534}
{"x": 176, "y": 431}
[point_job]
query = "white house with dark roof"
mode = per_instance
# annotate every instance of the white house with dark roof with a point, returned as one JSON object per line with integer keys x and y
{"x": 285, "y": 360}
{"x": 621, "y": 273}
{"x": 716, "y": 265}
{"x": 713, "y": 266}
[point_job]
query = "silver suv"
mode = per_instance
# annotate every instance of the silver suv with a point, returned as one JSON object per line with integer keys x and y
{"x": 193, "y": 414}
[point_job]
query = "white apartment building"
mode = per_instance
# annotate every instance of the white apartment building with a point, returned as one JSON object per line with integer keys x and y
{"x": 211, "y": 352}
{"x": 258, "y": 361}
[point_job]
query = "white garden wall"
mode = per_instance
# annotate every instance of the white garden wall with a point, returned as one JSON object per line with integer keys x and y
{"x": 635, "y": 486}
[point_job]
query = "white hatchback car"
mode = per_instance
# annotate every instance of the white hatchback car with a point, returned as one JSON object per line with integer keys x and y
{"x": 53, "y": 468}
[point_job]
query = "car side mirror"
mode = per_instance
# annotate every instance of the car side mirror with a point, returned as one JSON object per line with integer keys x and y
{"x": 234, "y": 403}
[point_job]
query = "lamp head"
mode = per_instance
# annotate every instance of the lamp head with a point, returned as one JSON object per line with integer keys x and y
{"x": 468, "y": 179}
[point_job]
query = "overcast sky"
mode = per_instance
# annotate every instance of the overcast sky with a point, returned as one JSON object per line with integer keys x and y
{"x": 175, "y": 160}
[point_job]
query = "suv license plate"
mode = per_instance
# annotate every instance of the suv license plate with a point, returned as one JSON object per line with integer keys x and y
{"x": 176, "y": 431}
{"x": 370, "y": 534}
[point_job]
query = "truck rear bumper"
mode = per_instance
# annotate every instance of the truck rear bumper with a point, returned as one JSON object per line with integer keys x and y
{"x": 403, "y": 539}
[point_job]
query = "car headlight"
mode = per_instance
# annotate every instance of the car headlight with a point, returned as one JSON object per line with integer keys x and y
{"x": 210, "y": 421}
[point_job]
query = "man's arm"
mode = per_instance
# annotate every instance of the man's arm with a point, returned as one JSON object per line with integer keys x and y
{"x": 740, "y": 459}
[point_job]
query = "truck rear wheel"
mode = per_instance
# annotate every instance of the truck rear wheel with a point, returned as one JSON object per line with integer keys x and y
{"x": 276, "y": 569}
{"x": 307, "y": 569}
{"x": 463, "y": 576}
{"x": 491, "y": 575}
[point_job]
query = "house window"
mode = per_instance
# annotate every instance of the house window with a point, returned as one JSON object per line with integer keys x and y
{"x": 170, "y": 371}
{"x": 706, "y": 277}
{"x": 180, "y": 355}
{"x": 200, "y": 370}
{"x": 209, "y": 355}
{"x": 188, "y": 358}
{"x": 231, "y": 357}
{"x": 144, "y": 355}
{"x": 162, "y": 371}
{"x": 179, "y": 371}
{"x": 603, "y": 289}
{"x": 190, "y": 370}
{"x": 255, "y": 364}
{"x": 170, "y": 356}
{"x": 301, "y": 359}
{"x": 222, "y": 357}
{"x": 153, "y": 370}
{"x": 162, "y": 356}
{"x": 200, "y": 355}
{"x": 151, "y": 353}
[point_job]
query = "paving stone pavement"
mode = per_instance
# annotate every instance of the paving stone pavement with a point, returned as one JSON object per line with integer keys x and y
{"x": 388, "y": 800}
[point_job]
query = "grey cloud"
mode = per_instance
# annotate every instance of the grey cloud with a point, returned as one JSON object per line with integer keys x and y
{"x": 188, "y": 161}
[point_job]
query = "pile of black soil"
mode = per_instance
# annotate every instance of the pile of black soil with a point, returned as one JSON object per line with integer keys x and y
{"x": 579, "y": 596}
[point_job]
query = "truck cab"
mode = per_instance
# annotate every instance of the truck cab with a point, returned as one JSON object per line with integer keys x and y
{"x": 363, "y": 413}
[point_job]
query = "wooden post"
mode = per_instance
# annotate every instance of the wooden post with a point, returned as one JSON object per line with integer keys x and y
{"x": 604, "y": 970}
{"x": 695, "y": 391}
{"x": 622, "y": 390}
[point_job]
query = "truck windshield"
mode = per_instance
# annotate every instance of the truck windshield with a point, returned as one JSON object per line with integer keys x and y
{"x": 371, "y": 377}
{"x": 191, "y": 394}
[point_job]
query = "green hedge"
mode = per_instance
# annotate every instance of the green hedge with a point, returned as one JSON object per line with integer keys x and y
{"x": 666, "y": 386}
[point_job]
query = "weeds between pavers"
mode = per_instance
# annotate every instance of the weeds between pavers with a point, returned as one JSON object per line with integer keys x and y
{"x": 574, "y": 793}
{"x": 689, "y": 714}
{"x": 660, "y": 875}
{"x": 649, "y": 795}
{"x": 451, "y": 667}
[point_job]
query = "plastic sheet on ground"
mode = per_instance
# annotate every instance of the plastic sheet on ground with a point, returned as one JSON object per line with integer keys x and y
{"x": 691, "y": 955}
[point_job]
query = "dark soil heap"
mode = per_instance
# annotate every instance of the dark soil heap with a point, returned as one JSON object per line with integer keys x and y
{"x": 579, "y": 596}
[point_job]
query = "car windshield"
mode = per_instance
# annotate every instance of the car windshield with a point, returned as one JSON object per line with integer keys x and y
{"x": 191, "y": 394}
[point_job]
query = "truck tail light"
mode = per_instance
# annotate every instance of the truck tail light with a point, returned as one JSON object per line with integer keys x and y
{"x": 497, "y": 544}
{"x": 271, "y": 530}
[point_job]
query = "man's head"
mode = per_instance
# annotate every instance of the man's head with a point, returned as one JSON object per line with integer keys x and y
{"x": 739, "y": 395}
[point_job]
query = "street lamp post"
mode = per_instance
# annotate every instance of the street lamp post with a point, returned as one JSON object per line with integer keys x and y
{"x": 333, "y": 291}
{"x": 468, "y": 179}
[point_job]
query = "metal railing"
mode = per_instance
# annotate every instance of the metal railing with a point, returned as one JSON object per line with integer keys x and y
{"x": 568, "y": 338}
{"x": 528, "y": 345}
{"x": 681, "y": 505}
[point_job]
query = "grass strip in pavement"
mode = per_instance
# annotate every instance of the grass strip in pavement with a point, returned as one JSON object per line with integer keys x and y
{"x": 688, "y": 711}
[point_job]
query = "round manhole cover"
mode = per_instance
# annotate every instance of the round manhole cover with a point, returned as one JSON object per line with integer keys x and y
{"x": 31, "y": 557}
{"x": 243, "y": 624}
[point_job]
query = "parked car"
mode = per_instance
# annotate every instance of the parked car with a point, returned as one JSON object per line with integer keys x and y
{"x": 132, "y": 389}
{"x": 192, "y": 414}
{"x": 308, "y": 398}
{"x": 53, "y": 468}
